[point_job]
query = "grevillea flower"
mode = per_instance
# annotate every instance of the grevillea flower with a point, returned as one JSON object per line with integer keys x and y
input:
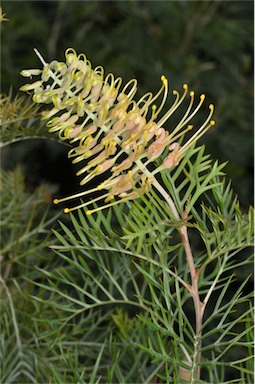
{"x": 111, "y": 133}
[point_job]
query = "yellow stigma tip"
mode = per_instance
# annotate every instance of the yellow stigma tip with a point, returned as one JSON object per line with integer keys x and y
{"x": 99, "y": 168}
{"x": 55, "y": 201}
{"x": 192, "y": 94}
{"x": 212, "y": 122}
{"x": 89, "y": 212}
{"x": 185, "y": 86}
{"x": 202, "y": 97}
{"x": 66, "y": 210}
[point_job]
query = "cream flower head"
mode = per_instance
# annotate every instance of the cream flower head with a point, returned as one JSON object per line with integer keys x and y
{"x": 112, "y": 134}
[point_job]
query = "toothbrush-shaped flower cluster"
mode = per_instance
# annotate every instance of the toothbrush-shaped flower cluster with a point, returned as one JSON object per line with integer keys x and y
{"x": 108, "y": 129}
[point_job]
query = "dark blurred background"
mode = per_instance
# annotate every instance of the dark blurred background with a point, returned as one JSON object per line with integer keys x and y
{"x": 207, "y": 44}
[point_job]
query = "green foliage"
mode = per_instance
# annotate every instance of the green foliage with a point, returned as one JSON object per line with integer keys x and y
{"x": 25, "y": 236}
{"x": 19, "y": 120}
{"x": 117, "y": 305}
{"x": 110, "y": 298}
{"x": 112, "y": 305}
{"x": 24, "y": 218}
{"x": 21, "y": 358}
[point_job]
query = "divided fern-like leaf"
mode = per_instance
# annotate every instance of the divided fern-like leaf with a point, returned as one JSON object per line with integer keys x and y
{"x": 20, "y": 119}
